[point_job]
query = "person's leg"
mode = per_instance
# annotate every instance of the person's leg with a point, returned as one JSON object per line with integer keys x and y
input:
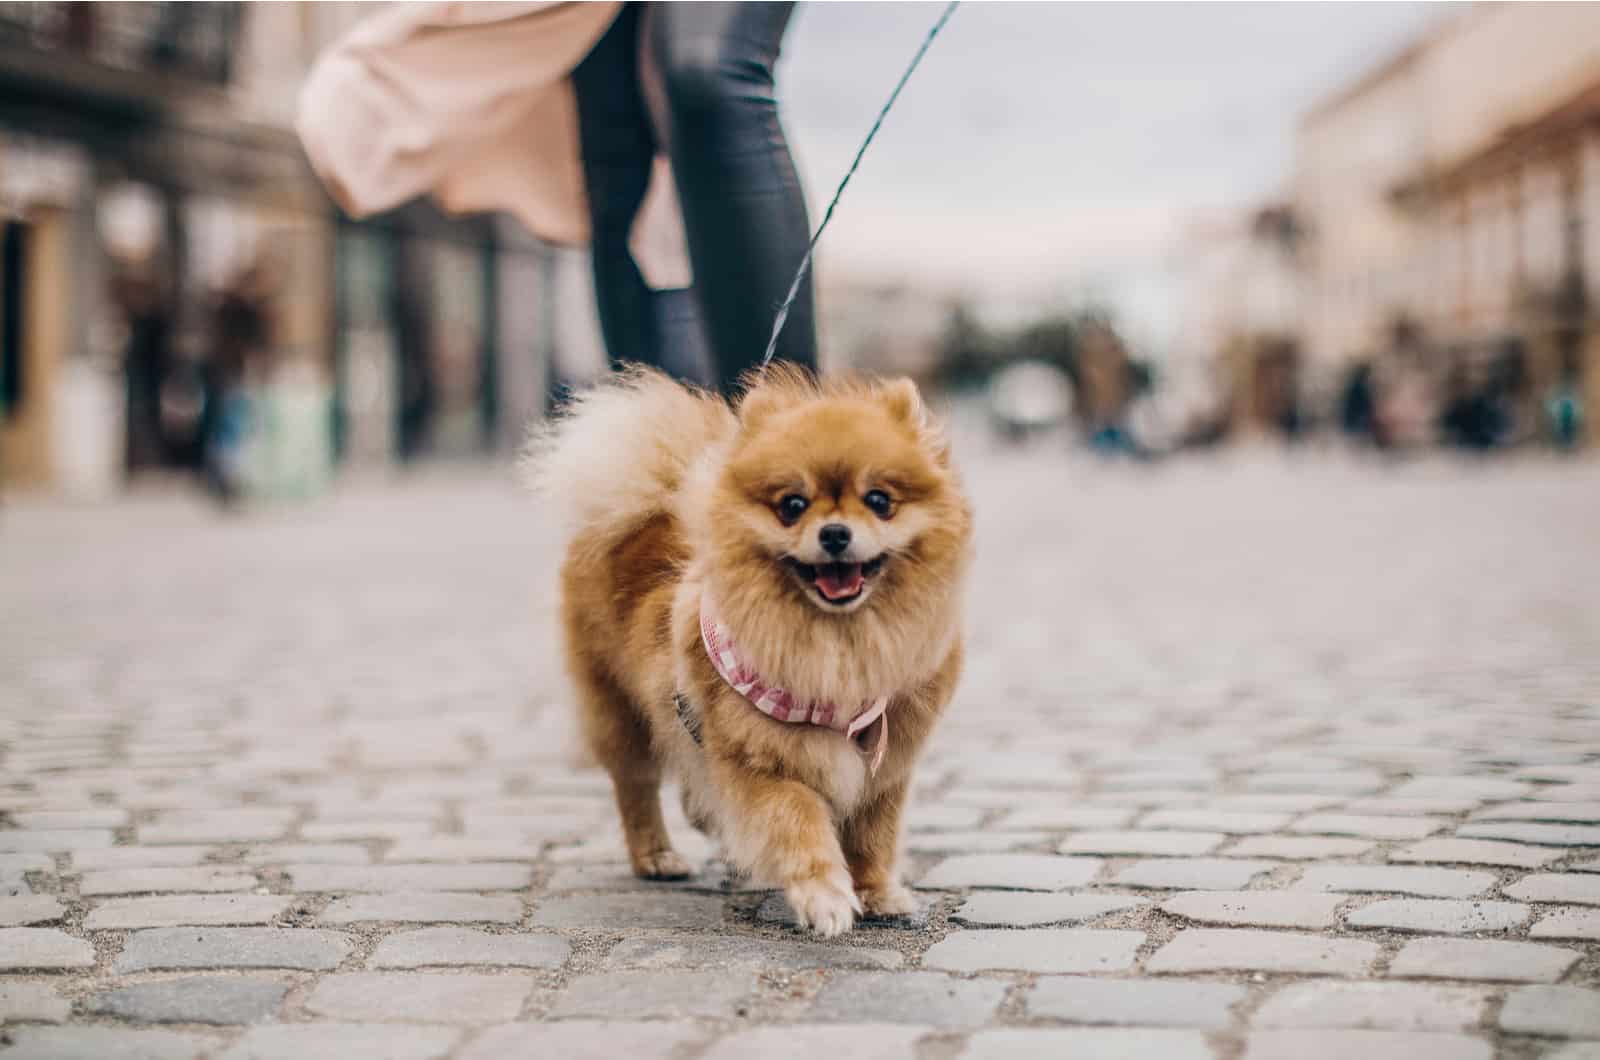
{"x": 709, "y": 83}
{"x": 617, "y": 146}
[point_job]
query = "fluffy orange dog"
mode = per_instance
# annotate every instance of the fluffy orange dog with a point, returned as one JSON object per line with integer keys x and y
{"x": 765, "y": 602}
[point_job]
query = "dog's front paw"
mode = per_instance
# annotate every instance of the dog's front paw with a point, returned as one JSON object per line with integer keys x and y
{"x": 894, "y": 900}
{"x": 825, "y": 905}
{"x": 661, "y": 865}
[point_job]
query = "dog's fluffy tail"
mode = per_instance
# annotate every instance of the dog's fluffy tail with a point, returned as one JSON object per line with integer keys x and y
{"x": 618, "y": 453}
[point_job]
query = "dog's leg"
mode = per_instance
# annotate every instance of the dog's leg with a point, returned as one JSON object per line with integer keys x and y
{"x": 620, "y": 739}
{"x": 781, "y": 830}
{"x": 871, "y": 838}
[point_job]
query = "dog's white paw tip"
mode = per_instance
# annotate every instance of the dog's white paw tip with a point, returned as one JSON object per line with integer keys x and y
{"x": 891, "y": 902}
{"x": 823, "y": 908}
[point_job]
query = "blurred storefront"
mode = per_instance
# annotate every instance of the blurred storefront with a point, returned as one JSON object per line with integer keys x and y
{"x": 174, "y": 282}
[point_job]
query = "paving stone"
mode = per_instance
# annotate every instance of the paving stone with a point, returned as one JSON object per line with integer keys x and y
{"x": 1567, "y": 924}
{"x": 104, "y": 1043}
{"x": 1299, "y": 848}
{"x": 45, "y": 948}
{"x": 488, "y": 876}
{"x": 1556, "y": 835}
{"x": 1405, "y": 807}
{"x": 1557, "y": 1011}
{"x": 1396, "y": 879}
{"x": 194, "y": 999}
{"x": 1134, "y": 1002}
{"x": 423, "y": 907}
{"x": 102, "y": 858}
{"x": 419, "y": 997}
{"x": 98, "y": 817}
{"x": 1232, "y": 823}
{"x": 1373, "y": 1006}
{"x": 459, "y": 848}
{"x": 1369, "y": 1045}
{"x": 1476, "y": 852}
{"x": 1061, "y": 819}
{"x": 307, "y": 949}
{"x": 245, "y": 825}
{"x": 1088, "y": 1043}
{"x": 651, "y": 995}
{"x": 1574, "y": 812}
{"x": 1256, "y": 908}
{"x": 1220, "y": 950}
{"x": 1573, "y": 1051}
{"x": 928, "y": 818}
{"x": 54, "y": 840}
{"x": 431, "y": 947}
{"x": 973, "y": 842}
{"x": 139, "y": 881}
{"x": 1482, "y": 959}
{"x": 29, "y": 909}
{"x": 309, "y": 854}
{"x": 1480, "y": 788}
{"x": 1367, "y": 827}
{"x": 1035, "y": 950}
{"x": 586, "y": 1040}
{"x": 1031, "y": 909}
{"x": 344, "y": 1041}
{"x": 858, "y": 1042}
{"x": 1556, "y": 887}
{"x": 906, "y": 997}
{"x": 1015, "y": 872}
{"x": 1355, "y": 782}
{"x": 1159, "y": 843}
{"x": 728, "y": 951}
{"x": 14, "y": 865}
{"x": 1439, "y": 917}
{"x": 1191, "y": 874}
{"x": 28, "y": 1001}
{"x": 179, "y": 909}
{"x": 616, "y": 912}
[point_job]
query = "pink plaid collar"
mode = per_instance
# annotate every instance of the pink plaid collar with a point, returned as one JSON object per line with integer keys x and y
{"x": 779, "y": 703}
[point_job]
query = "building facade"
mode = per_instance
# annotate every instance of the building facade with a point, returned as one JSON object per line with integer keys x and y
{"x": 150, "y": 184}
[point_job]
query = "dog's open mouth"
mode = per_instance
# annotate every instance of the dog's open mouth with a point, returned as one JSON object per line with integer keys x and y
{"x": 837, "y": 583}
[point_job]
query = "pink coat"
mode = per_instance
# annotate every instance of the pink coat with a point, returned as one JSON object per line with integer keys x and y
{"x": 471, "y": 103}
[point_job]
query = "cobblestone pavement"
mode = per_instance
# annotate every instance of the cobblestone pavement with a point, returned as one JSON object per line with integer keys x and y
{"x": 1260, "y": 756}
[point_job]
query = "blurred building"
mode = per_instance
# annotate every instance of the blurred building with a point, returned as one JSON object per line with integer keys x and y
{"x": 1452, "y": 201}
{"x": 148, "y": 170}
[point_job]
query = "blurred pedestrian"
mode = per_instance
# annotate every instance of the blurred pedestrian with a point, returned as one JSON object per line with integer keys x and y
{"x": 633, "y": 126}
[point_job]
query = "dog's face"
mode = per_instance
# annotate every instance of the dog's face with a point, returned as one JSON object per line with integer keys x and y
{"x": 843, "y": 499}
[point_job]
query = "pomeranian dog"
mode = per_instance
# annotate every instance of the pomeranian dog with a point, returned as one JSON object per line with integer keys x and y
{"x": 763, "y": 601}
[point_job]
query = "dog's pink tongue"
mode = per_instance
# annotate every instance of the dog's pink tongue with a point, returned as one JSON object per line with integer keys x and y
{"x": 837, "y": 581}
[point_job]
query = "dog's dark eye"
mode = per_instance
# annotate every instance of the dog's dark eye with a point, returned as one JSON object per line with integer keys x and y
{"x": 879, "y": 502}
{"x": 792, "y": 508}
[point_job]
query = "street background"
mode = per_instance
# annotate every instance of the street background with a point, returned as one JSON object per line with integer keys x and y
{"x": 1267, "y": 338}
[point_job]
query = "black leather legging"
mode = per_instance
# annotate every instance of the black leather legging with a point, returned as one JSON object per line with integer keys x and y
{"x": 695, "y": 80}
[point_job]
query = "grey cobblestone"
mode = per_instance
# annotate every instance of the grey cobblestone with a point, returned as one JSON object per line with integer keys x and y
{"x": 422, "y": 907}
{"x": 1229, "y": 950}
{"x": 194, "y": 999}
{"x": 1548, "y": 887}
{"x": 23, "y": 909}
{"x": 141, "y": 881}
{"x": 1256, "y": 908}
{"x": 24, "y": 947}
{"x": 27, "y": 1001}
{"x": 609, "y": 912}
{"x": 1439, "y": 917}
{"x": 858, "y": 1042}
{"x": 1183, "y": 874}
{"x": 1524, "y": 962}
{"x": 586, "y": 1040}
{"x": 1368, "y": 827}
{"x": 1035, "y": 950}
{"x": 343, "y": 1041}
{"x": 1157, "y": 843}
{"x": 1103, "y": 1043}
{"x": 907, "y": 997}
{"x": 1476, "y": 852}
{"x": 1027, "y": 909}
{"x": 103, "y": 1043}
{"x": 1016, "y": 872}
{"x": 1369, "y": 1045}
{"x": 174, "y": 910}
{"x": 1567, "y": 924}
{"x": 1396, "y": 879}
{"x": 1557, "y": 835}
{"x": 649, "y": 995}
{"x": 487, "y": 876}
{"x": 431, "y": 947}
{"x": 306, "y": 949}
{"x": 54, "y": 841}
{"x": 418, "y": 997}
{"x": 97, "y": 859}
{"x": 730, "y": 951}
{"x": 1134, "y": 1002}
{"x": 1374, "y": 1006}
{"x": 1557, "y": 1011}
{"x": 1299, "y": 848}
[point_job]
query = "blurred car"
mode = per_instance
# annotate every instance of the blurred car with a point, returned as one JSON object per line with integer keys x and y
{"x": 1029, "y": 397}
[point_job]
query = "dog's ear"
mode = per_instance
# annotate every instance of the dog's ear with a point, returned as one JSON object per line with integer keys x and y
{"x": 771, "y": 389}
{"x": 759, "y": 404}
{"x": 904, "y": 402}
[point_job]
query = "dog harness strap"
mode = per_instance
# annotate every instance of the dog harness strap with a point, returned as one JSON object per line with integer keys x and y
{"x": 779, "y": 703}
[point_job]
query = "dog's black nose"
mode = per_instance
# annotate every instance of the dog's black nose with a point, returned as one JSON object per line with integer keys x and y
{"x": 834, "y": 538}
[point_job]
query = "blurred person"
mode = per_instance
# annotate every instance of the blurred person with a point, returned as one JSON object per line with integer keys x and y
{"x": 582, "y": 120}
{"x": 1357, "y": 403}
{"x": 147, "y": 315}
{"x": 241, "y": 348}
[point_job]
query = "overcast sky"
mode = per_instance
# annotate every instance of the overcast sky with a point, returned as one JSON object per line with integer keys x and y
{"x": 1049, "y": 148}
